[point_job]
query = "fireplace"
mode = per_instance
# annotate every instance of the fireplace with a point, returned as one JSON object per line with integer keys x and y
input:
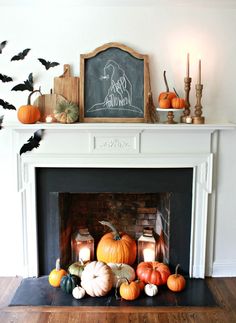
{"x": 131, "y": 199}
{"x": 122, "y": 148}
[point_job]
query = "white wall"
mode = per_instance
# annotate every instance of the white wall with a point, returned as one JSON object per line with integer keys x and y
{"x": 166, "y": 31}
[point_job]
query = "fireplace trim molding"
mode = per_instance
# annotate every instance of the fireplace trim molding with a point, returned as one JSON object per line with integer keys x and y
{"x": 123, "y": 146}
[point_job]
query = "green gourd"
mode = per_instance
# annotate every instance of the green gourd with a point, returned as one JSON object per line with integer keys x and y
{"x": 69, "y": 282}
{"x": 66, "y": 112}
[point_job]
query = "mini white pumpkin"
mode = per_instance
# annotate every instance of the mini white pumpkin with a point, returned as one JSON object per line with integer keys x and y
{"x": 151, "y": 289}
{"x": 121, "y": 272}
{"x": 78, "y": 292}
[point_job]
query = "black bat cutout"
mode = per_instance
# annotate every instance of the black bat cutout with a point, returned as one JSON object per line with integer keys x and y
{"x": 5, "y": 78}
{"x": 27, "y": 85}
{"x": 33, "y": 142}
{"x": 1, "y": 120}
{"x": 47, "y": 64}
{"x": 2, "y": 45}
{"x": 7, "y": 105}
{"x": 20, "y": 55}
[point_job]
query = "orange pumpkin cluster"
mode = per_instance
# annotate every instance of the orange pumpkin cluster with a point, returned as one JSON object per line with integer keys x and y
{"x": 115, "y": 253}
{"x": 168, "y": 99}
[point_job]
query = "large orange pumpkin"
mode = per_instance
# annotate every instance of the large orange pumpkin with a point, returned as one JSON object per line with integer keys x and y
{"x": 116, "y": 247}
{"x": 153, "y": 272}
{"x": 29, "y": 113}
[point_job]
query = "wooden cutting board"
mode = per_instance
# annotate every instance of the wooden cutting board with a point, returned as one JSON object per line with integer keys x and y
{"x": 67, "y": 85}
{"x": 47, "y": 103}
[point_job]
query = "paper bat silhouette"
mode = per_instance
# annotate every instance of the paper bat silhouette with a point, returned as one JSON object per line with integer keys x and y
{"x": 2, "y": 45}
{"x": 47, "y": 64}
{"x": 33, "y": 142}
{"x": 5, "y": 78}
{"x": 21, "y": 55}
{"x": 27, "y": 85}
{"x": 7, "y": 105}
{"x": 1, "y": 120}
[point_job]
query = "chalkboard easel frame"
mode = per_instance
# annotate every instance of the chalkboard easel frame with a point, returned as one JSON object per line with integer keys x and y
{"x": 146, "y": 84}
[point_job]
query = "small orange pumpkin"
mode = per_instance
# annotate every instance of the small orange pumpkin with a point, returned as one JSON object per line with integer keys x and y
{"x": 56, "y": 275}
{"x": 166, "y": 95}
{"x": 178, "y": 103}
{"x": 176, "y": 282}
{"x": 116, "y": 247}
{"x": 129, "y": 291}
{"x": 29, "y": 114}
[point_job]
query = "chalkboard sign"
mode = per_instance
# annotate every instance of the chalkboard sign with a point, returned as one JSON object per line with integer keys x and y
{"x": 114, "y": 85}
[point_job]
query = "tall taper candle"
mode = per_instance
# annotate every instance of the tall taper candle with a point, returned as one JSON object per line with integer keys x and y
{"x": 199, "y": 71}
{"x": 187, "y": 70}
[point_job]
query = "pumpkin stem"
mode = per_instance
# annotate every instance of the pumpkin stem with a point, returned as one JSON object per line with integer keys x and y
{"x": 116, "y": 233}
{"x": 176, "y": 92}
{"x": 58, "y": 266}
{"x": 29, "y": 97}
{"x": 176, "y": 270}
{"x": 165, "y": 80}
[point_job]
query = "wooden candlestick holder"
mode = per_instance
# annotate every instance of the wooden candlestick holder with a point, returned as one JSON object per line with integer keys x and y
{"x": 187, "y": 87}
{"x": 198, "y": 118}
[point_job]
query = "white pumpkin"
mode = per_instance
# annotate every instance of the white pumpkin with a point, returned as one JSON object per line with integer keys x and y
{"x": 78, "y": 292}
{"x": 120, "y": 273}
{"x": 96, "y": 278}
{"x": 151, "y": 289}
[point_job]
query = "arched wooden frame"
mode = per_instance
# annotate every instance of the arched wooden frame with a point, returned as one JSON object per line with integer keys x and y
{"x": 146, "y": 84}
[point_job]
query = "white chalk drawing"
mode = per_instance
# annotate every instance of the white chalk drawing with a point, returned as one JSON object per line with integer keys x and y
{"x": 119, "y": 94}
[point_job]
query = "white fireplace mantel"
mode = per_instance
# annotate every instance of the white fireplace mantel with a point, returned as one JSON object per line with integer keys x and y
{"x": 128, "y": 146}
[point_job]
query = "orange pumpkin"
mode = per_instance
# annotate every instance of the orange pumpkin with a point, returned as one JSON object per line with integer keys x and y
{"x": 153, "y": 272}
{"x": 165, "y": 103}
{"x": 176, "y": 282}
{"x": 56, "y": 275}
{"x": 177, "y": 103}
{"x": 116, "y": 247}
{"x": 166, "y": 95}
{"x": 129, "y": 291}
{"x": 29, "y": 113}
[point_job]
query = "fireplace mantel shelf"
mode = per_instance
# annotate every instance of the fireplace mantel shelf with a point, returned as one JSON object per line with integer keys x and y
{"x": 121, "y": 126}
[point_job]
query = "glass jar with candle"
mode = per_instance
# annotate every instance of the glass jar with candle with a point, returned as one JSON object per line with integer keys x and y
{"x": 82, "y": 246}
{"x": 147, "y": 246}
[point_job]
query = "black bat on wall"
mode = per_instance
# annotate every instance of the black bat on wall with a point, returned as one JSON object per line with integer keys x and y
{"x": 33, "y": 142}
{"x": 5, "y": 78}
{"x": 47, "y": 64}
{"x": 2, "y": 45}
{"x": 1, "y": 120}
{"x": 7, "y": 105}
{"x": 21, "y": 55}
{"x": 27, "y": 85}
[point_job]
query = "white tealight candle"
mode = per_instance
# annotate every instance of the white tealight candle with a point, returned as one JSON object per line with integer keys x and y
{"x": 188, "y": 119}
{"x": 84, "y": 254}
{"x": 148, "y": 254}
{"x": 49, "y": 119}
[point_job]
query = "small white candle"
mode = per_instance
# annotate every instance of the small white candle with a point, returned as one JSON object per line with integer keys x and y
{"x": 49, "y": 119}
{"x": 187, "y": 69}
{"x": 199, "y": 71}
{"x": 148, "y": 254}
{"x": 84, "y": 254}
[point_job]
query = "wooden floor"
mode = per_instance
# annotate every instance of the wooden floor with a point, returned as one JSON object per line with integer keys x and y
{"x": 224, "y": 290}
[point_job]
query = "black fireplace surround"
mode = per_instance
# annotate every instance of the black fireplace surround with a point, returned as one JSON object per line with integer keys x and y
{"x": 51, "y": 181}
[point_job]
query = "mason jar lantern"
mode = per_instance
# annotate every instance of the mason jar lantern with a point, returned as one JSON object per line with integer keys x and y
{"x": 82, "y": 246}
{"x": 147, "y": 246}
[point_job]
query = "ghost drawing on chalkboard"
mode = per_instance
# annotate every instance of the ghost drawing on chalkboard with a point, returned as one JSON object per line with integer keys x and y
{"x": 119, "y": 93}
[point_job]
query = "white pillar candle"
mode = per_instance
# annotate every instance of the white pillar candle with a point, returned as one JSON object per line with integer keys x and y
{"x": 148, "y": 254}
{"x": 84, "y": 254}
